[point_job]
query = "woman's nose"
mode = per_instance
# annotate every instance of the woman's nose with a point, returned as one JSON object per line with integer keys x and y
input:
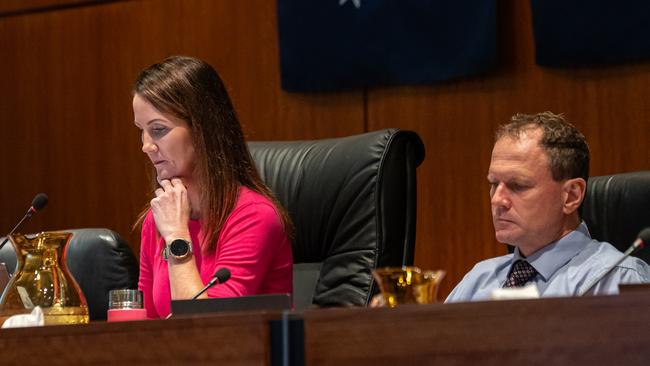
{"x": 147, "y": 144}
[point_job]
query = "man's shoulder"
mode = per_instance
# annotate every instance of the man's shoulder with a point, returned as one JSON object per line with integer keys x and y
{"x": 604, "y": 253}
{"x": 486, "y": 270}
{"x": 599, "y": 256}
{"x": 480, "y": 280}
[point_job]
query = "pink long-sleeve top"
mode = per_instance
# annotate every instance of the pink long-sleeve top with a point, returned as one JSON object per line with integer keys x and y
{"x": 252, "y": 245}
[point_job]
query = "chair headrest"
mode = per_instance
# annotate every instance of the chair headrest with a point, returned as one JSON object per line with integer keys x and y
{"x": 352, "y": 201}
{"x": 616, "y": 208}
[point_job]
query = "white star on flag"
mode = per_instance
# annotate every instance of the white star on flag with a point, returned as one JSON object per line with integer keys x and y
{"x": 357, "y": 3}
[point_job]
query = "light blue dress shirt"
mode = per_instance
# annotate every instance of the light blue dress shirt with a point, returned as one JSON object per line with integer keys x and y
{"x": 564, "y": 268}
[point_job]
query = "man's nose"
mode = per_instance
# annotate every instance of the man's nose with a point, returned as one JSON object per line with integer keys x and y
{"x": 500, "y": 196}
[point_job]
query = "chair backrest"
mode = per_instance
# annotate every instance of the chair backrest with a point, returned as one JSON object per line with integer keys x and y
{"x": 99, "y": 260}
{"x": 353, "y": 203}
{"x": 617, "y": 208}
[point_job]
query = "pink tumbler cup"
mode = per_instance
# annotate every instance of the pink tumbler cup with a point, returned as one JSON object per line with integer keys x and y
{"x": 125, "y": 305}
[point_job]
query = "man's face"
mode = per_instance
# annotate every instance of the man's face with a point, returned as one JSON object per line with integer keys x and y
{"x": 527, "y": 204}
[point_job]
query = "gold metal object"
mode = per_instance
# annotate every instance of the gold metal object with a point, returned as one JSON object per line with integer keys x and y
{"x": 42, "y": 279}
{"x": 408, "y": 285}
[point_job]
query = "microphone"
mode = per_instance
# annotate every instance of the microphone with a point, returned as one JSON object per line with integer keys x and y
{"x": 642, "y": 239}
{"x": 222, "y": 275}
{"x": 39, "y": 201}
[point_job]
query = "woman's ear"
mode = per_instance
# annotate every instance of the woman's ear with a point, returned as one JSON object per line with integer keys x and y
{"x": 574, "y": 192}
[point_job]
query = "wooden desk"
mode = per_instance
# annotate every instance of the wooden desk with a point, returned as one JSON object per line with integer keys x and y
{"x": 229, "y": 339}
{"x": 576, "y": 331}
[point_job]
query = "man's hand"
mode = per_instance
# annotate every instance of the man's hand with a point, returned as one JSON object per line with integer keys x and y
{"x": 171, "y": 210}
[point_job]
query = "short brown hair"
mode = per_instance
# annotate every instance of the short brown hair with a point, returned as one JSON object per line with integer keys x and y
{"x": 565, "y": 146}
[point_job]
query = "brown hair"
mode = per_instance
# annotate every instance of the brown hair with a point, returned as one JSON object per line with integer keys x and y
{"x": 565, "y": 147}
{"x": 191, "y": 90}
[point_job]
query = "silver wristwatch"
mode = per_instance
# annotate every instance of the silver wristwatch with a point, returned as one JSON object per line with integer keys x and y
{"x": 177, "y": 249}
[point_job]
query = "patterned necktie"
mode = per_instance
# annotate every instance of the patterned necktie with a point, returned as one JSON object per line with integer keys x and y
{"x": 520, "y": 274}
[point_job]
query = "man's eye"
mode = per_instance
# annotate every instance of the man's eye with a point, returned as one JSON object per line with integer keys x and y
{"x": 516, "y": 187}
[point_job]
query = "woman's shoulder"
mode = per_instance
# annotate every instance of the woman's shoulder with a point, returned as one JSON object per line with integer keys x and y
{"x": 254, "y": 207}
{"x": 254, "y": 220}
{"x": 248, "y": 197}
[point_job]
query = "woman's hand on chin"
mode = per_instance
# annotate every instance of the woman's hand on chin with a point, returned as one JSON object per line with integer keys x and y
{"x": 171, "y": 209}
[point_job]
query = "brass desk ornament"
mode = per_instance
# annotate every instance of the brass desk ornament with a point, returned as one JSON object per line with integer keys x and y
{"x": 408, "y": 285}
{"x": 42, "y": 279}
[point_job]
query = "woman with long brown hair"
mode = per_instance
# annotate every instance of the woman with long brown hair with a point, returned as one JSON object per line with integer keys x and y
{"x": 211, "y": 209}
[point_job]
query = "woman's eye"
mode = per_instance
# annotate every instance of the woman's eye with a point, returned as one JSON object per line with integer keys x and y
{"x": 157, "y": 132}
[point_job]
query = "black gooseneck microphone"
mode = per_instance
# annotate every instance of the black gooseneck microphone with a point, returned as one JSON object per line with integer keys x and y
{"x": 39, "y": 201}
{"x": 222, "y": 275}
{"x": 642, "y": 239}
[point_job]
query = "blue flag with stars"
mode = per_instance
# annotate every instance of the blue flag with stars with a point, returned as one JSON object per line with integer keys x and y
{"x": 346, "y": 44}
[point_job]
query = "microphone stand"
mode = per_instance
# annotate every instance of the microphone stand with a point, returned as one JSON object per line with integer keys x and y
{"x": 27, "y": 215}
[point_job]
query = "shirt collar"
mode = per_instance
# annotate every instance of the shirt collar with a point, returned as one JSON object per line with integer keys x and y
{"x": 556, "y": 254}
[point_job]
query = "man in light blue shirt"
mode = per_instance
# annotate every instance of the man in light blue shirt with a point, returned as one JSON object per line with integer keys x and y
{"x": 538, "y": 177}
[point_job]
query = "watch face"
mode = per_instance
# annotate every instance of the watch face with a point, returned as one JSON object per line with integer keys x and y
{"x": 179, "y": 248}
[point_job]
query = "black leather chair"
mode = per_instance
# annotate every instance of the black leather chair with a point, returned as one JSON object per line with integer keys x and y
{"x": 353, "y": 203}
{"x": 100, "y": 261}
{"x": 617, "y": 208}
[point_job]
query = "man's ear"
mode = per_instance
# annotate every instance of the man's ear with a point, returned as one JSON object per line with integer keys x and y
{"x": 574, "y": 192}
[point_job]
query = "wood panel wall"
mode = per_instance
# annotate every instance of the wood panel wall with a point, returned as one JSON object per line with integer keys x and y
{"x": 66, "y": 119}
{"x": 65, "y": 103}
